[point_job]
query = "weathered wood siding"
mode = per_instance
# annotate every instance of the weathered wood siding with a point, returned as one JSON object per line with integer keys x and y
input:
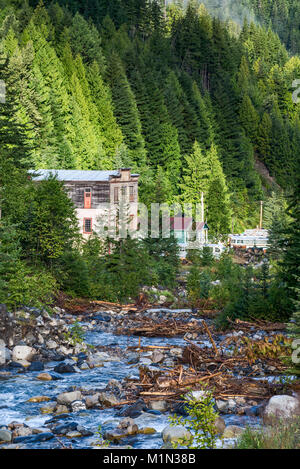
{"x": 100, "y": 193}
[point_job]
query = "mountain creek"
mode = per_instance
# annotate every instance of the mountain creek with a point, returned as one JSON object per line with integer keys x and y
{"x": 120, "y": 386}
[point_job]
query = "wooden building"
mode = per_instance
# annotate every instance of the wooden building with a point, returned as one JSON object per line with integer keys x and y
{"x": 97, "y": 194}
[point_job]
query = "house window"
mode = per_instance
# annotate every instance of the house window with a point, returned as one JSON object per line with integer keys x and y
{"x": 87, "y": 225}
{"x": 116, "y": 195}
{"x": 131, "y": 194}
{"x": 87, "y": 198}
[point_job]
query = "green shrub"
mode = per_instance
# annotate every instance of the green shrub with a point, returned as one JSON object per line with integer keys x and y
{"x": 198, "y": 284}
{"x": 283, "y": 435}
{"x": 73, "y": 275}
{"x": 28, "y": 287}
{"x": 200, "y": 422}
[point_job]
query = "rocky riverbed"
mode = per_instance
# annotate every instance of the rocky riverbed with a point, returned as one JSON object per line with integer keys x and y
{"x": 56, "y": 391}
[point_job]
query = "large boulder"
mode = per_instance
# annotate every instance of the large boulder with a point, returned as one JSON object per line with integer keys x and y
{"x": 5, "y": 435}
{"x": 66, "y": 398}
{"x": 175, "y": 433}
{"x": 92, "y": 401}
{"x": 281, "y": 407}
{"x": 22, "y": 352}
{"x": 107, "y": 399}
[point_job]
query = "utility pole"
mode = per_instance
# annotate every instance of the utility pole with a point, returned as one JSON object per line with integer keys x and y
{"x": 261, "y": 215}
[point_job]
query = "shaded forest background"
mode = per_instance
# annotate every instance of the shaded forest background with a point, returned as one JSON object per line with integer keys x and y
{"x": 191, "y": 102}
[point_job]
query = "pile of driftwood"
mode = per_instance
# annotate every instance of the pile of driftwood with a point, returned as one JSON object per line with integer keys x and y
{"x": 257, "y": 324}
{"x": 206, "y": 365}
{"x": 146, "y": 327}
{"x": 173, "y": 384}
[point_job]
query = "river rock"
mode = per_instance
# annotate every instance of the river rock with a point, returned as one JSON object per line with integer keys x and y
{"x": 107, "y": 399}
{"x": 157, "y": 357}
{"x": 34, "y": 438}
{"x": 77, "y": 406}
{"x": 22, "y": 431}
{"x": 219, "y": 425}
{"x": 23, "y": 352}
{"x": 283, "y": 407}
{"x": 64, "y": 428}
{"x": 147, "y": 431}
{"x": 51, "y": 344}
{"x": 64, "y": 368}
{"x": 175, "y": 433}
{"x": 74, "y": 434}
{"x": 233, "y": 431}
{"x": 160, "y": 406}
{"x": 97, "y": 359}
{"x": 61, "y": 409}
{"x": 5, "y": 435}
{"x": 92, "y": 401}
{"x": 133, "y": 410}
{"x": 102, "y": 317}
{"x": 39, "y": 399}
{"x": 114, "y": 385}
{"x": 222, "y": 406}
{"x": 49, "y": 408}
{"x": 68, "y": 397}
{"x": 83, "y": 366}
{"x": 36, "y": 366}
{"x": 44, "y": 377}
{"x": 177, "y": 352}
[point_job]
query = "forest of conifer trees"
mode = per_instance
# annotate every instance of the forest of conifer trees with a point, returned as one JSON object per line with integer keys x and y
{"x": 100, "y": 84}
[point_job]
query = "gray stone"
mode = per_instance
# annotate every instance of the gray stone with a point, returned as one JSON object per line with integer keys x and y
{"x": 68, "y": 397}
{"x": 5, "y": 435}
{"x": 77, "y": 406}
{"x": 222, "y": 406}
{"x": 51, "y": 344}
{"x": 161, "y": 406}
{"x": 22, "y": 352}
{"x": 107, "y": 399}
{"x": 177, "y": 352}
{"x": 22, "y": 431}
{"x": 92, "y": 401}
{"x": 283, "y": 407}
{"x": 61, "y": 409}
{"x": 157, "y": 357}
{"x": 175, "y": 433}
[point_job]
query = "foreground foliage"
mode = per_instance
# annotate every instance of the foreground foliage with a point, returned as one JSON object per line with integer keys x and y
{"x": 283, "y": 435}
{"x": 200, "y": 422}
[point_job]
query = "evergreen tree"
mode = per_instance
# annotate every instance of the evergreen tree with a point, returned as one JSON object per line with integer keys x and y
{"x": 196, "y": 175}
{"x": 249, "y": 118}
{"x": 126, "y": 111}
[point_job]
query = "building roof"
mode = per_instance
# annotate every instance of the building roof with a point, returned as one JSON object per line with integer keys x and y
{"x": 75, "y": 175}
{"x": 186, "y": 224}
{"x": 254, "y": 233}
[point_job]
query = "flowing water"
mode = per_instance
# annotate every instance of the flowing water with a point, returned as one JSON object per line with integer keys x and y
{"x": 16, "y": 389}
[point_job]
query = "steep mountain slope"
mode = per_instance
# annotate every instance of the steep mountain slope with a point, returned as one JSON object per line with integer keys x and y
{"x": 102, "y": 84}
